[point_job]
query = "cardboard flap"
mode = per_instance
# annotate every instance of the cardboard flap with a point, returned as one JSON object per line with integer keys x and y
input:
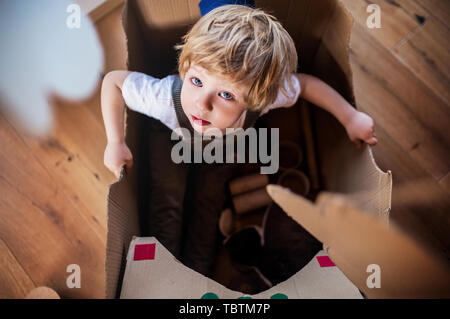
{"x": 122, "y": 225}
{"x": 152, "y": 29}
{"x": 331, "y": 60}
{"x": 306, "y": 21}
{"x": 153, "y": 272}
{"x": 356, "y": 241}
{"x": 343, "y": 167}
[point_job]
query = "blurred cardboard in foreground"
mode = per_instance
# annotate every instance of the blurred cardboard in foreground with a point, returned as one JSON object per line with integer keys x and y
{"x": 380, "y": 259}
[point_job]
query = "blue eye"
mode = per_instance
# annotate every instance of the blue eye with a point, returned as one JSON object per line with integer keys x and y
{"x": 196, "y": 81}
{"x": 226, "y": 95}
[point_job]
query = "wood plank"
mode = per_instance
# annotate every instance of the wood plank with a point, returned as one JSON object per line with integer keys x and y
{"x": 411, "y": 114}
{"x": 41, "y": 226}
{"x": 14, "y": 281}
{"x": 56, "y": 191}
{"x": 412, "y": 8}
{"x": 397, "y": 19}
{"x": 75, "y": 161}
{"x": 427, "y": 54}
{"x": 445, "y": 182}
{"x": 438, "y": 8}
{"x": 70, "y": 154}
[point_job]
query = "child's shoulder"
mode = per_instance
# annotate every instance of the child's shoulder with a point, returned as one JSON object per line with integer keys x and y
{"x": 147, "y": 94}
{"x": 137, "y": 76}
{"x": 145, "y": 85}
{"x": 284, "y": 100}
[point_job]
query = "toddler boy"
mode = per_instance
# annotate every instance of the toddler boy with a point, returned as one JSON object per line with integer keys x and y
{"x": 235, "y": 64}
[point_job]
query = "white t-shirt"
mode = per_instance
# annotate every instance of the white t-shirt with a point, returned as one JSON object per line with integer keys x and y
{"x": 153, "y": 97}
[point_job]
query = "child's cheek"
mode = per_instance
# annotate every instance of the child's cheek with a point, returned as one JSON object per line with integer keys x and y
{"x": 230, "y": 119}
{"x": 186, "y": 100}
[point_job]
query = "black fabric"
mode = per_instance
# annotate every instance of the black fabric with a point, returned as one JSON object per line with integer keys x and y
{"x": 185, "y": 200}
{"x": 176, "y": 97}
{"x": 287, "y": 248}
{"x": 165, "y": 185}
{"x": 205, "y": 200}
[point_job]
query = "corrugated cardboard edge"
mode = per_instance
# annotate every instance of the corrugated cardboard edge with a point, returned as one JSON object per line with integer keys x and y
{"x": 385, "y": 196}
{"x": 385, "y": 182}
{"x": 166, "y": 277}
{"x": 367, "y": 185}
{"x": 122, "y": 204}
{"x": 122, "y": 225}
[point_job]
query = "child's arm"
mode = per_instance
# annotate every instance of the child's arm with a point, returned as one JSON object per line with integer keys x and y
{"x": 117, "y": 152}
{"x": 359, "y": 126}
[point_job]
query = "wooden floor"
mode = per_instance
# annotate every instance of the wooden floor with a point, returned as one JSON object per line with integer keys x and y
{"x": 53, "y": 191}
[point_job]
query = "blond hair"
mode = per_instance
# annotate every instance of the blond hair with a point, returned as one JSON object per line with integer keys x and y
{"x": 245, "y": 45}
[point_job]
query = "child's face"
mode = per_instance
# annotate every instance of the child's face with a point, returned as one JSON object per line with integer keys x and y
{"x": 213, "y": 99}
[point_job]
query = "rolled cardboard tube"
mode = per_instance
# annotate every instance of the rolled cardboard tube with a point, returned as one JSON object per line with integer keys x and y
{"x": 226, "y": 222}
{"x": 247, "y": 183}
{"x": 291, "y": 155}
{"x": 251, "y": 200}
{"x": 250, "y": 219}
{"x": 296, "y": 181}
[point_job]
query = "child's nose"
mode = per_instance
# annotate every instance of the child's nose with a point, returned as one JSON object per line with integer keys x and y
{"x": 203, "y": 104}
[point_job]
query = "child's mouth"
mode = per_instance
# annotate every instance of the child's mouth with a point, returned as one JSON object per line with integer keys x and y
{"x": 199, "y": 121}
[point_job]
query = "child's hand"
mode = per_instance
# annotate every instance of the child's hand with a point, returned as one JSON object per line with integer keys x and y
{"x": 117, "y": 155}
{"x": 360, "y": 129}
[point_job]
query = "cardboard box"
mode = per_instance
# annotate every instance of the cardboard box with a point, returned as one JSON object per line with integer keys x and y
{"x": 321, "y": 31}
{"x": 372, "y": 257}
{"x": 152, "y": 272}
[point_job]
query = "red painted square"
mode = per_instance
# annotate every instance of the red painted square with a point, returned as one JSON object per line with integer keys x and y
{"x": 325, "y": 261}
{"x": 144, "y": 252}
